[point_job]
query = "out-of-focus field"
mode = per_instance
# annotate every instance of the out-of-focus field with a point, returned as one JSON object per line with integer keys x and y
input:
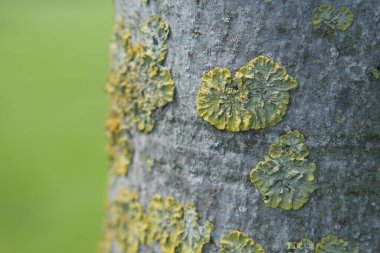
{"x": 53, "y": 64}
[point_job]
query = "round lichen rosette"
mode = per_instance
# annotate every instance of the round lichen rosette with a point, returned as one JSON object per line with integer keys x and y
{"x": 332, "y": 244}
{"x": 284, "y": 178}
{"x": 257, "y": 97}
{"x": 335, "y": 19}
{"x": 238, "y": 242}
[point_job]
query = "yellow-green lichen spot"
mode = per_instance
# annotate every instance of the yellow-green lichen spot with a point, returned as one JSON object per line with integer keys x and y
{"x": 284, "y": 178}
{"x": 303, "y": 246}
{"x": 128, "y": 221}
{"x": 194, "y": 235}
{"x": 335, "y": 19}
{"x": 238, "y": 242}
{"x": 126, "y": 224}
{"x": 165, "y": 223}
{"x": 141, "y": 84}
{"x": 376, "y": 73}
{"x": 332, "y": 244}
{"x": 257, "y": 97}
{"x": 120, "y": 149}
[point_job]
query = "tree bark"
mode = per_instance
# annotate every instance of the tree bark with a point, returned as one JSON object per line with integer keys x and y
{"x": 336, "y": 106}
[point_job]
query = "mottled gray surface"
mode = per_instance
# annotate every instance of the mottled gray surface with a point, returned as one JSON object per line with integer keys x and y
{"x": 336, "y": 106}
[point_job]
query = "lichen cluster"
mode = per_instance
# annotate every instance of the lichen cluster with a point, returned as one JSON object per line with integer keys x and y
{"x": 137, "y": 87}
{"x": 126, "y": 224}
{"x": 335, "y": 19}
{"x": 328, "y": 244}
{"x": 238, "y": 242}
{"x": 376, "y": 73}
{"x": 257, "y": 96}
{"x": 285, "y": 178}
{"x": 176, "y": 229}
{"x": 303, "y": 246}
{"x": 141, "y": 84}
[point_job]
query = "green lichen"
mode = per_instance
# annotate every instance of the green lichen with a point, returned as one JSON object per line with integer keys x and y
{"x": 285, "y": 179}
{"x": 375, "y": 73}
{"x": 332, "y": 244}
{"x": 145, "y": 2}
{"x": 303, "y": 246}
{"x": 141, "y": 84}
{"x": 126, "y": 223}
{"x": 257, "y": 97}
{"x": 335, "y": 19}
{"x": 194, "y": 235}
{"x": 238, "y": 242}
{"x": 165, "y": 223}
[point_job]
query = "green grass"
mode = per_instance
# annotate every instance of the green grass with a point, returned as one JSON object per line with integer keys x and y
{"x": 53, "y": 168}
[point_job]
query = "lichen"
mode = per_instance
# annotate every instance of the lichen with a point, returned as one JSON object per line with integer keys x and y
{"x": 165, "y": 223}
{"x": 335, "y": 19}
{"x": 285, "y": 178}
{"x": 238, "y": 242}
{"x": 194, "y": 235}
{"x": 141, "y": 85}
{"x": 376, "y": 73}
{"x": 120, "y": 148}
{"x": 126, "y": 223}
{"x": 332, "y": 244}
{"x": 303, "y": 246}
{"x": 257, "y": 97}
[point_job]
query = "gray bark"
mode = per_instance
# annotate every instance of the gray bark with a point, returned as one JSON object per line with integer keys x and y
{"x": 336, "y": 106}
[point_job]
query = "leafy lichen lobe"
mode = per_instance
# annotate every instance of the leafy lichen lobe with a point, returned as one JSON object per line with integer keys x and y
{"x": 285, "y": 178}
{"x": 256, "y": 97}
{"x": 165, "y": 223}
{"x": 335, "y": 19}
{"x": 195, "y": 236}
{"x": 238, "y": 242}
{"x": 332, "y": 244}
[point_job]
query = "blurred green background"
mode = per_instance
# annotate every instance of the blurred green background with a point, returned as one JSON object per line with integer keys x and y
{"x": 53, "y": 168}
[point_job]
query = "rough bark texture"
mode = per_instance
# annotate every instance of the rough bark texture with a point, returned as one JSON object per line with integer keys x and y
{"x": 336, "y": 106}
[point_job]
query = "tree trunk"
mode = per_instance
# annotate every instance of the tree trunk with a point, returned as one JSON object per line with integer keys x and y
{"x": 176, "y": 152}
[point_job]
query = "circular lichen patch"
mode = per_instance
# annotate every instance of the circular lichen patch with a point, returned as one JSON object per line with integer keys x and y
{"x": 335, "y": 19}
{"x": 331, "y": 244}
{"x": 257, "y": 97}
{"x": 284, "y": 178}
{"x": 239, "y": 242}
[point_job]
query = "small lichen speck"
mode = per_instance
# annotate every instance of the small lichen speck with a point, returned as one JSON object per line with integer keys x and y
{"x": 284, "y": 178}
{"x": 335, "y": 19}
{"x": 257, "y": 97}
{"x": 239, "y": 242}
{"x": 376, "y": 73}
{"x": 332, "y": 244}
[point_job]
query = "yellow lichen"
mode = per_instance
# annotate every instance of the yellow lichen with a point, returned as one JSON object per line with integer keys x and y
{"x": 141, "y": 84}
{"x": 238, "y": 242}
{"x": 194, "y": 235}
{"x": 126, "y": 223}
{"x": 303, "y": 246}
{"x": 331, "y": 244}
{"x": 257, "y": 97}
{"x": 285, "y": 178}
{"x": 165, "y": 223}
{"x": 327, "y": 15}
